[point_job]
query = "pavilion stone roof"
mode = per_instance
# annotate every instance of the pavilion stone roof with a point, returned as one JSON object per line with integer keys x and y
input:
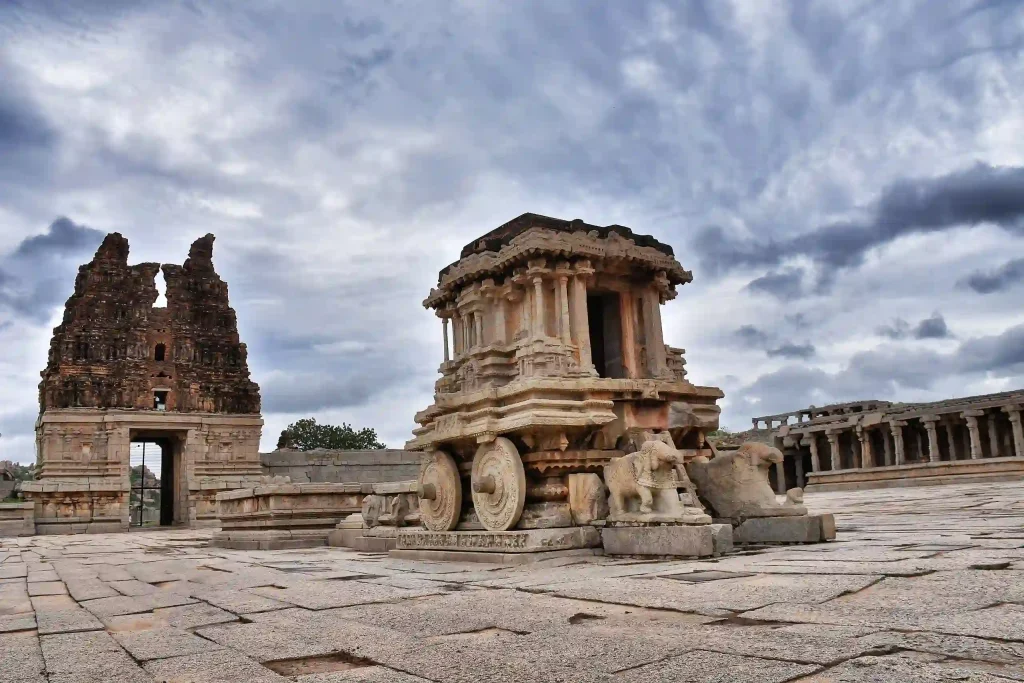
{"x": 531, "y": 236}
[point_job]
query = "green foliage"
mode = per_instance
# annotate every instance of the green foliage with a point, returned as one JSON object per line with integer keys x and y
{"x": 720, "y": 432}
{"x": 305, "y": 435}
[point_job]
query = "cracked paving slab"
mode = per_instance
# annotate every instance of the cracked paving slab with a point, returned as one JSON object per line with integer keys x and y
{"x": 922, "y": 584}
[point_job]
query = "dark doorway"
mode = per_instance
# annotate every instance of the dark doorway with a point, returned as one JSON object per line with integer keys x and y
{"x": 152, "y": 479}
{"x": 158, "y": 353}
{"x": 606, "y": 334}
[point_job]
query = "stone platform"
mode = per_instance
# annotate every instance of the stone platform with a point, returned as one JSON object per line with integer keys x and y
{"x": 918, "y": 474}
{"x": 17, "y": 519}
{"x": 517, "y": 541}
{"x": 922, "y": 584}
{"x": 279, "y": 516}
{"x": 784, "y": 530}
{"x": 667, "y": 540}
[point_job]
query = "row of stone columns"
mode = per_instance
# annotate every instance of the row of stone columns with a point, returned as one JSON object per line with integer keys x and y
{"x": 895, "y": 450}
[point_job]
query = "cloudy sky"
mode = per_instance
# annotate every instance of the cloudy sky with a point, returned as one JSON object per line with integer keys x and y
{"x": 844, "y": 179}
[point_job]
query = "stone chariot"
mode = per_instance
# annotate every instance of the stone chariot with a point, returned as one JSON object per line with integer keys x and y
{"x": 554, "y": 364}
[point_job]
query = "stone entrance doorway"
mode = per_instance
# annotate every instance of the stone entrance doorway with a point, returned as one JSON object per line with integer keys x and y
{"x": 158, "y": 494}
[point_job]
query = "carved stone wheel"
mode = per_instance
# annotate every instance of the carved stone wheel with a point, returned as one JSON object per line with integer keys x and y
{"x": 440, "y": 492}
{"x": 499, "y": 485}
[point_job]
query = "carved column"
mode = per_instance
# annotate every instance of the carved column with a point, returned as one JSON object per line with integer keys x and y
{"x": 780, "y": 476}
{"x": 933, "y": 437}
{"x": 457, "y": 334}
{"x": 478, "y": 320}
{"x": 897, "y": 437}
{"x": 563, "y": 306}
{"x": 1018, "y": 433}
{"x": 972, "y": 426}
{"x": 812, "y": 441}
{"x": 993, "y": 435}
{"x": 656, "y": 355}
{"x": 538, "y": 312}
{"x": 867, "y": 459}
{"x": 444, "y": 328}
{"x": 887, "y": 439}
{"x": 798, "y": 463}
{"x": 833, "y": 447}
{"x": 580, "y": 315}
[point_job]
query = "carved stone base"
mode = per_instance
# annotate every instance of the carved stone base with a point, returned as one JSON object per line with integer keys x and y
{"x": 515, "y": 541}
{"x": 803, "y": 529}
{"x": 662, "y": 541}
{"x": 506, "y": 559}
{"x": 639, "y": 518}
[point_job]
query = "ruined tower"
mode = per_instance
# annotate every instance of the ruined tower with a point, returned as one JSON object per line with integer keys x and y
{"x": 122, "y": 370}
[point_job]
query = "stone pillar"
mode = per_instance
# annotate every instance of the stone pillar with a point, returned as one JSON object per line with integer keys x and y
{"x": 993, "y": 435}
{"x": 855, "y": 460}
{"x": 812, "y": 441}
{"x": 478, "y": 320}
{"x": 780, "y": 476}
{"x": 897, "y": 437}
{"x": 458, "y": 343}
{"x": 581, "y": 318}
{"x": 1018, "y": 433}
{"x": 950, "y": 441}
{"x": 972, "y": 427}
{"x": 867, "y": 458}
{"x": 500, "y": 310}
{"x": 563, "y": 308}
{"x": 933, "y": 438}
{"x": 833, "y": 447}
{"x": 538, "y": 312}
{"x": 444, "y": 328}
{"x": 656, "y": 356}
{"x": 887, "y": 439}
{"x": 798, "y": 463}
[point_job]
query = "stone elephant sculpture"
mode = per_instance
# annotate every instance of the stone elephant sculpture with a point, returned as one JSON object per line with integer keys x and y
{"x": 644, "y": 482}
{"x": 735, "y": 484}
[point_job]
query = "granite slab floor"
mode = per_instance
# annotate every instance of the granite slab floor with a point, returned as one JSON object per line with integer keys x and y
{"x": 922, "y": 584}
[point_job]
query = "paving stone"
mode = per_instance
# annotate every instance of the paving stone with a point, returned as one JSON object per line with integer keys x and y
{"x": 159, "y": 643}
{"x": 193, "y": 616}
{"x": 716, "y": 597}
{"x": 47, "y": 588}
{"x": 61, "y": 614}
{"x": 89, "y": 590}
{"x": 363, "y": 674}
{"x": 21, "y": 660}
{"x": 328, "y": 594}
{"x": 42, "y": 575}
{"x": 17, "y": 622}
{"x": 106, "y": 607}
{"x": 240, "y": 601}
{"x": 93, "y": 656}
{"x": 911, "y": 668}
{"x": 714, "y": 667}
{"x": 222, "y": 666}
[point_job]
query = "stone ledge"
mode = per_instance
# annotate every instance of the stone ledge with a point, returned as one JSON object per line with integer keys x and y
{"x": 802, "y": 529}
{"x": 665, "y": 541}
{"x": 919, "y": 474}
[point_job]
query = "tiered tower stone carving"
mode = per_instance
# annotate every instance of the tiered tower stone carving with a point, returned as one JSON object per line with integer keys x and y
{"x": 121, "y": 370}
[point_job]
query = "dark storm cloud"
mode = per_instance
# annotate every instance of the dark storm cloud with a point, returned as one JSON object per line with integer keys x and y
{"x": 40, "y": 272}
{"x": 751, "y": 336}
{"x": 1001, "y": 354}
{"x": 980, "y": 194}
{"x": 1003, "y": 277}
{"x": 785, "y": 284}
{"x": 791, "y": 350}
{"x": 933, "y": 327}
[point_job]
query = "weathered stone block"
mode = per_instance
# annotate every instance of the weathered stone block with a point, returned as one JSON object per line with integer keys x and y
{"x": 679, "y": 540}
{"x": 516, "y": 541}
{"x": 803, "y": 529}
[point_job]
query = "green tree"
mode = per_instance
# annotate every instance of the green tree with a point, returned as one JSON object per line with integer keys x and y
{"x": 20, "y": 472}
{"x": 305, "y": 435}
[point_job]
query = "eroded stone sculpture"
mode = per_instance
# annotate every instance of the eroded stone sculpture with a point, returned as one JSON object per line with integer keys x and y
{"x": 554, "y": 365}
{"x": 735, "y": 484}
{"x": 644, "y": 483}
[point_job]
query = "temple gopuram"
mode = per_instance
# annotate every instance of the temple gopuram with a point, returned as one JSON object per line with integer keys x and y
{"x": 123, "y": 371}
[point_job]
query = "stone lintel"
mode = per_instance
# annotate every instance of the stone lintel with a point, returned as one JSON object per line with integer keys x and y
{"x": 973, "y": 413}
{"x": 1010, "y": 409}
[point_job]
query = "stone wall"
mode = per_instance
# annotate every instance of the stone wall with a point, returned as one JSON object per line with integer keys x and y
{"x": 349, "y": 467}
{"x": 17, "y": 519}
